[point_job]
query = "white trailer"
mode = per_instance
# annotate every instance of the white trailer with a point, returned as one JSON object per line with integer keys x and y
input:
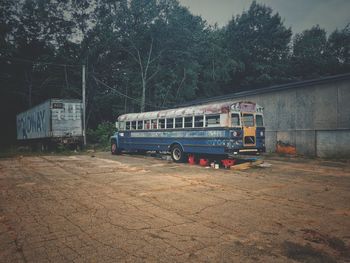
{"x": 57, "y": 120}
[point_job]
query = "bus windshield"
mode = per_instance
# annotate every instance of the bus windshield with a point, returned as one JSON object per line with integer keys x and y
{"x": 248, "y": 120}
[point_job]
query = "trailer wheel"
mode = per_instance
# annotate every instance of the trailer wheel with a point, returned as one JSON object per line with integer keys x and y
{"x": 177, "y": 154}
{"x": 114, "y": 148}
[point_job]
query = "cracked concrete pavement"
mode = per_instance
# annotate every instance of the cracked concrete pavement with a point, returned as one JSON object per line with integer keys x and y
{"x": 132, "y": 208}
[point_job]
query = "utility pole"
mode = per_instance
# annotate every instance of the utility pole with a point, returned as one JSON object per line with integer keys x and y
{"x": 84, "y": 106}
{"x": 126, "y": 99}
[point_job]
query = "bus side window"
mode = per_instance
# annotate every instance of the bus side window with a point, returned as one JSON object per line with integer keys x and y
{"x": 259, "y": 120}
{"x": 188, "y": 122}
{"x": 147, "y": 125}
{"x": 153, "y": 124}
{"x": 133, "y": 125}
{"x": 212, "y": 121}
{"x": 178, "y": 122}
{"x": 170, "y": 123}
{"x": 139, "y": 125}
{"x": 121, "y": 125}
{"x": 198, "y": 121}
{"x": 127, "y": 126}
{"x": 161, "y": 123}
{"x": 235, "y": 119}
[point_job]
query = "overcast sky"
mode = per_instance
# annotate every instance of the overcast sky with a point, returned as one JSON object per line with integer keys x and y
{"x": 298, "y": 14}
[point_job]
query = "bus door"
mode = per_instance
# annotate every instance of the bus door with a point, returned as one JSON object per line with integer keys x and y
{"x": 249, "y": 129}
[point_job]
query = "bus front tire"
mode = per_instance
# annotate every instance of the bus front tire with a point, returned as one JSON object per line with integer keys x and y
{"x": 177, "y": 154}
{"x": 114, "y": 148}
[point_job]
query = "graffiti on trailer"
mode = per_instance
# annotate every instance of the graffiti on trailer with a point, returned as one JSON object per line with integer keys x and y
{"x": 31, "y": 123}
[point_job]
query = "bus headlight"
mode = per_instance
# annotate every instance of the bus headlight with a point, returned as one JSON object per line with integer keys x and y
{"x": 261, "y": 133}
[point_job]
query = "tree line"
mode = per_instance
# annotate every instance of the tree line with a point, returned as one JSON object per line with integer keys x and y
{"x": 148, "y": 55}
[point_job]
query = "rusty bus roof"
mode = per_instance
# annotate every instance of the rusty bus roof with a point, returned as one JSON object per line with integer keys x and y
{"x": 209, "y": 108}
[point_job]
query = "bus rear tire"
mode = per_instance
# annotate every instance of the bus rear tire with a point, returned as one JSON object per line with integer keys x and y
{"x": 114, "y": 148}
{"x": 177, "y": 154}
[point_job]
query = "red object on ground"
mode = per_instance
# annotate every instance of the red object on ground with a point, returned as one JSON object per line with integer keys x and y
{"x": 203, "y": 162}
{"x": 191, "y": 159}
{"x": 228, "y": 162}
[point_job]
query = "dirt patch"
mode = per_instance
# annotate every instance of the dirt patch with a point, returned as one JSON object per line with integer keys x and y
{"x": 332, "y": 242}
{"x": 244, "y": 252}
{"x": 305, "y": 253}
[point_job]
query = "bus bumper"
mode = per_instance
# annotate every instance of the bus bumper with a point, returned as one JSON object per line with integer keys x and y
{"x": 248, "y": 151}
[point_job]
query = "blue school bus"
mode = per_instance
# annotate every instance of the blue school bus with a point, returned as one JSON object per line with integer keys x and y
{"x": 225, "y": 128}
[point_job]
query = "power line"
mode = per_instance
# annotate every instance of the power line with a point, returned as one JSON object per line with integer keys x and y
{"x": 124, "y": 95}
{"x": 117, "y": 91}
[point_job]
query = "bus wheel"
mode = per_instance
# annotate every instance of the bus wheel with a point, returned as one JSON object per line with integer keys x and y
{"x": 177, "y": 154}
{"x": 114, "y": 148}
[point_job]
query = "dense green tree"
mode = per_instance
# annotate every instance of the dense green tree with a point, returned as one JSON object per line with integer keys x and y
{"x": 7, "y": 22}
{"x": 181, "y": 37}
{"x": 338, "y": 51}
{"x": 8, "y": 11}
{"x": 151, "y": 52}
{"x": 41, "y": 32}
{"x": 259, "y": 43}
{"x": 8, "y": 78}
{"x": 309, "y": 53}
{"x": 217, "y": 64}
